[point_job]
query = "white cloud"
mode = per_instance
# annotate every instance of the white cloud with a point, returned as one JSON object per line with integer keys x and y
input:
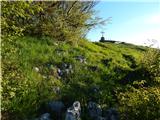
{"x": 153, "y": 19}
{"x": 145, "y": 28}
{"x": 143, "y": 38}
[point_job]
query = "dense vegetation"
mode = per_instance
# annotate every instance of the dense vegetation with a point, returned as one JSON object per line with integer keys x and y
{"x": 61, "y": 20}
{"x": 124, "y": 76}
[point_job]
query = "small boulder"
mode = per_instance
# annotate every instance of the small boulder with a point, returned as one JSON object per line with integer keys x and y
{"x": 73, "y": 113}
{"x": 111, "y": 114}
{"x": 56, "y": 108}
{"x": 95, "y": 110}
{"x": 45, "y": 116}
{"x": 95, "y": 89}
{"x": 60, "y": 72}
{"x": 80, "y": 58}
{"x": 56, "y": 90}
{"x": 36, "y": 69}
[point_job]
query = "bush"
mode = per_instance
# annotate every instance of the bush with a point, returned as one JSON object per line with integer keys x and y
{"x": 151, "y": 64}
{"x": 139, "y": 101}
{"x": 137, "y": 104}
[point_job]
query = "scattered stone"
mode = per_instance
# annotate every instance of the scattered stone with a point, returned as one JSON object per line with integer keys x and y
{"x": 70, "y": 66}
{"x": 67, "y": 71}
{"x": 59, "y": 71}
{"x": 56, "y": 44}
{"x": 100, "y": 118}
{"x": 82, "y": 59}
{"x": 64, "y": 70}
{"x": 73, "y": 113}
{"x": 56, "y": 108}
{"x": 111, "y": 114}
{"x": 56, "y": 90}
{"x": 45, "y": 116}
{"x": 95, "y": 110}
{"x": 95, "y": 89}
{"x": 59, "y": 51}
{"x": 45, "y": 77}
{"x": 36, "y": 69}
{"x": 66, "y": 66}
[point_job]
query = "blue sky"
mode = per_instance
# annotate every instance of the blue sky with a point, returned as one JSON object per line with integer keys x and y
{"x": 133, "y": 22}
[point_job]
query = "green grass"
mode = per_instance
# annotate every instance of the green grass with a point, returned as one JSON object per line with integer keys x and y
{"x": 112, "y": 63}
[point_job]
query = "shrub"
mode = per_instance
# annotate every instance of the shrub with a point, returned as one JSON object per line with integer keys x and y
{"x": 151, "y": 64}
{"x": 140, "y": 104}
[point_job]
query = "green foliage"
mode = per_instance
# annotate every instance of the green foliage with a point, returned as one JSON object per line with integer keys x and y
{"x": 65, "y": 20}
{"x": 121, "y": 76}
{"x": 22, "y": 88}
{"x": 15, "y": 16}
{"x": 143, "y": 103}
{"x": 25, "y": 89}
{"x": 141, "y": 100}
{"x": 151, "y": 63}
{"x": 61, "y": 20}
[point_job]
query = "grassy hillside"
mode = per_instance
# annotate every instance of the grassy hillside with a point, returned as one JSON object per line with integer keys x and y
{"x": 37, "y": 70}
